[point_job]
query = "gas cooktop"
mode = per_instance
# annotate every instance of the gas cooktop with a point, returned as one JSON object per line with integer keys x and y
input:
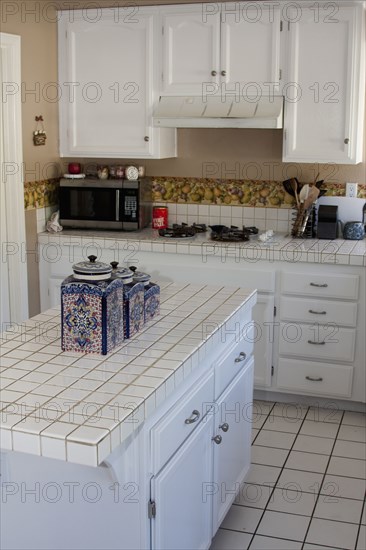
{"x": 231, "y": 234}
{"x": 182, "y": 231}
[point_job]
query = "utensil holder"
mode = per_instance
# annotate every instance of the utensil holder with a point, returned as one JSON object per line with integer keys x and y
{"x": 304, "y": 223}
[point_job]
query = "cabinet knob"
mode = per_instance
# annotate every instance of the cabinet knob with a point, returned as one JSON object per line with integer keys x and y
{"x": 346, "y": 141}
{"x": 146, "y": 138}
{"x": 224, "y": 427}
{"x": 312, "y": 379}
{"x": 193, "y": 418}
{"x": 217, "y": 439}
{"x": 213, "y": 73}
{"x": 242, "y": 356}
{"x": 223, "y": 73}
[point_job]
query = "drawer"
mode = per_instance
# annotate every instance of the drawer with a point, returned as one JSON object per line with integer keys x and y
{"x": 315, "y": 378}
{"x": 323, "y": 286}
{"x": 178, "y": 423}
{"x": 321, "y": 311}
{"x": 317, "y": 341}
{"x": 229, "y": 364}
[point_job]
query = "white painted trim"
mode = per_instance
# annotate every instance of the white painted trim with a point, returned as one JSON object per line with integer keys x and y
{"x": 14, "y": 190}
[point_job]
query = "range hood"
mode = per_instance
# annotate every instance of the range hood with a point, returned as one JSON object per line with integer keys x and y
{"x": 217, "y": 112}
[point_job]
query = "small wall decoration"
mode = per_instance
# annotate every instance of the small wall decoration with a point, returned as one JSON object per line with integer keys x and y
{"x": 39, "y": 134}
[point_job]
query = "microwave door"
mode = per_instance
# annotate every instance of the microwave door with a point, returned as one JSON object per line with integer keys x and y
{"x": 90, "y": 207}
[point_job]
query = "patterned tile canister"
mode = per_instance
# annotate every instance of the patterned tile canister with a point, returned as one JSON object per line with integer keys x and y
{"x": 151, "y": 294}
{"x": 91, "y": 309}
{"x": 133, "y": 300}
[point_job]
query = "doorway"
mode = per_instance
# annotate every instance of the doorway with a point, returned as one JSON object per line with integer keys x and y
{"x": 13, "y": 272}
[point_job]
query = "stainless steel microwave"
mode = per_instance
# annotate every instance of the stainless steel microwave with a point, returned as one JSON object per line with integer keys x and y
{"x": 105, "y": 204}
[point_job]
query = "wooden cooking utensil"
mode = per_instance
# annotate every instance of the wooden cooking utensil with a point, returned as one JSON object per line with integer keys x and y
{"x": 312, "y": 196}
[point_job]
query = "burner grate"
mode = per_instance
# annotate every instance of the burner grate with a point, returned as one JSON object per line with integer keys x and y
{"x": 231, "y": 234}
{"x": 182, "y": 231}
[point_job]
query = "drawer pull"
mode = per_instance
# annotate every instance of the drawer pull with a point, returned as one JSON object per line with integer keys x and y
{"x": 193, "y": 418}
{"x": 318, "y": 285}
{"x": 224, "y": 427}
{"x": 242, "y": 357}
{"x": 314, "y": 379}
{"x": 317, "y": 312}
{"x": 316, "y": 343}
{"x": 217, "y": 439}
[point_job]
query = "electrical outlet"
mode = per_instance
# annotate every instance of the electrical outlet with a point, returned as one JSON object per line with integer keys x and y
{"x": 351, "y": 189}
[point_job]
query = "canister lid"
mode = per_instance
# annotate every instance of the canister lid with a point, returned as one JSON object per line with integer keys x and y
{"x": 92, "y": 270}
{"x": 139, "y": 276}
{"x": 122, "y": 272}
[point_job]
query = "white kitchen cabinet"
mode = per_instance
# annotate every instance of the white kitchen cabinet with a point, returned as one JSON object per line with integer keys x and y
{"x": 319, "y": 345}
{"x": 183, "y": 516}
{"x": 107, "y": 77}
{"x": 207, "y": 49}
{"x": 232, "y": 454}
{"x": 315, "y": 296}
{"x": 325, "y": 83}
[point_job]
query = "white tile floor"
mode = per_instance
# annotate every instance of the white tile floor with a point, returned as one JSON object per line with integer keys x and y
{"x": 306, "y": 486}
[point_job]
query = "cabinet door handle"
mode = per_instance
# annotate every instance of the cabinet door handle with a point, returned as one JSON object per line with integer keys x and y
{"x": 193, "y": 418}
{"x": 346, "y": 141}
{"x": 242, "y": 357}
{"x": 312, "y": 379}
{"x": 317, "y": 312}
{"x": 318, "y": 285}
{"x": 217, "y": 439}
{"x": 224, "y": 427}
{"x": 213, "y": 73}
{"x": 223, "y": 73}
{"x": 146, "y": 138}
{"x": 316, "y": 343}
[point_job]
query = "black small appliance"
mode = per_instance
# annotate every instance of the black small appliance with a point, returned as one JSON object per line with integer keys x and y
{"x": 327, "y": 222}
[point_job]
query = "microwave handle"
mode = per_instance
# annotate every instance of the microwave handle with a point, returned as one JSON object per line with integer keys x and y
{"x": 117, "y": 205}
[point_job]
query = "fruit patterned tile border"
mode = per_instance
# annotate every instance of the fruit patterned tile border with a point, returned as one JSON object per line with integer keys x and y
{"x": 268, "y": 194}
{"x": 39, "y": 194}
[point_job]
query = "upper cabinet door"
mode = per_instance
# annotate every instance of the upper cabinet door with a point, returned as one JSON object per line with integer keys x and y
{"x": 325, "y": 92}
{"x": 191, "y": 49}
{"x": 250, "y": 49}
{"x": 108, "y": 78}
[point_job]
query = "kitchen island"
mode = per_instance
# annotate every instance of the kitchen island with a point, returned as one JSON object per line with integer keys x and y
{"x": 310, "y": 312}
{"x": 126, "y": 450}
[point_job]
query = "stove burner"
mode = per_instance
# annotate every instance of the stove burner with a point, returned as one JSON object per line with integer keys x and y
{"x": 231, "y": 234}
{"x": 182, "y": 231}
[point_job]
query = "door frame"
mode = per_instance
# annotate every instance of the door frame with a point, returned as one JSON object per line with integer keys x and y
{"x": 14, "y": 248}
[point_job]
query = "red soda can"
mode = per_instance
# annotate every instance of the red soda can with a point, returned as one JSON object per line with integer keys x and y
{"x": 160, "y": 217}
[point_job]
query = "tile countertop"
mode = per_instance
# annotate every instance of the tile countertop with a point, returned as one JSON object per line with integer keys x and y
{"x": 79, "y": 407}
{"x": 280, "y": 247}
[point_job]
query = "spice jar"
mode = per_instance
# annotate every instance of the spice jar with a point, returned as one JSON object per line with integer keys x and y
{"x": 91, "y": 309}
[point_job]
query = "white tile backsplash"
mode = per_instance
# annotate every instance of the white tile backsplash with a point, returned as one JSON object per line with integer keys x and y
{"x": 278, "y": 219}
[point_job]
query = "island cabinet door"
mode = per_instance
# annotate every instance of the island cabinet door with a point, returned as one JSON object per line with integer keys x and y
{"x": 232, "y": 434}
{"x": 181, "y": 493}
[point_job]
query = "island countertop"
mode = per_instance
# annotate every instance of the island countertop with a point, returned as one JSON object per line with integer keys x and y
{"x": 79, "y": 407}
{"x": 279, "y": 248}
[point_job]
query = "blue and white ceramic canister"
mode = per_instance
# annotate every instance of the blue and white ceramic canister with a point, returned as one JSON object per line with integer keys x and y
{"x": 91, "y": 309}
{"x": 133, "y": 300}
{"x": 151, "y": 294}
{"x": 354, "y": 231}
